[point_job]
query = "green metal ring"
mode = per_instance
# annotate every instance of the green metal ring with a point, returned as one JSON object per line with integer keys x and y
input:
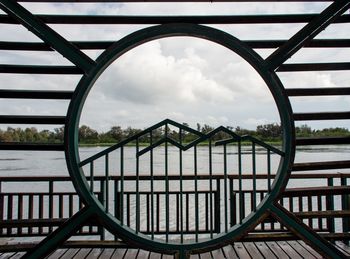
{"x": 114, "y": 52}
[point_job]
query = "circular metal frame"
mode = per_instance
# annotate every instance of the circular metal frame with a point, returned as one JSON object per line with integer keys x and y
{"x": 114, "y": 52}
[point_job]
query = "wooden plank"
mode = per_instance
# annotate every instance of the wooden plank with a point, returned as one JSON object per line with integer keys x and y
{"x": 240, "y": 250}
{"x": 94, "y": 253}
{"x": 131, "y": 254}
{"x": 17, "y": 255}
{"x": 40, "y": 69}
{"x": 321, "y": 165}
{"x": 82, "y": 253}
{"x": 265, "y": 250}
{"x": 57, "y": 254}
{"x": 155, "y": 255}
{"x": 107, "y": 253}
{"x": 217, "y": 254}
{"x": 194, "y": 256}
{"x": 142, "y": 254}
{"x": 300, "y": 67}
{"x": 326, "y": 91}
{"x": 304, "y": 250}
{"x": 343, "y": 248}
{"x": 197, "y": 19}
{"x": 289, "y": 250}
{"x": 309, "y": 116}
{"x": 32, "y": 119}
{"x": 277, "y": 250}
{"x": 229, "y": 252}
{"x": 164, "y": 256}
{"x": 322, "y": 141}
{"x": 70, "y": 253}
{"x": 205, "y": 256}
{"x": 253, "y": 250}
{"x": 119, "y": 253}
{"x": 6, "y": 255}
{"x": 270, "y": 44}
{"x": 35, "y": 94}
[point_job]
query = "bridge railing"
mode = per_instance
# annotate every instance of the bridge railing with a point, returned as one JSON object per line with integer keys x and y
{"x": 28, "y": 213}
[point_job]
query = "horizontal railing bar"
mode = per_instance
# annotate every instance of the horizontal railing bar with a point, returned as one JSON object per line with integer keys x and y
{"x": 39, "y": 69}
{"x": 318, "y": 91}
{"x": 205, "y": 19}
{"x": 323, "y": 214}
{"x": 321, "y": 165}
{"x": 41, "y": 46}
{"x": 323, "y": 141}
{"x": 315, "y": 191}
{"x": 321, "y": 116}
{"x": 41, "y": 193}
{"x": 172, "y": 177}
{"x": 31, "y": 119}
{"x": 287, "y": 236}
{"x": 176, "y": 232}
{"x": 35, "y": 94}
{"x": 169, "y": 192}
{"x": 31, "y": 146}
{"x": 164, "y": 1}
{"x": 301, "y": 67}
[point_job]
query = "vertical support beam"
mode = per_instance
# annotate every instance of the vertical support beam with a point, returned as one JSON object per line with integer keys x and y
{"x": 47, "y": 34}
{"x": 59, "y": 236}
{"x": 307, "y": 33}
{"x": 51, "y": 207}
{"x": 217, "y": 201}
{"x": 307, "y": 234}
{"x": 330, "y": 206}
{"x": 345, "y": 206}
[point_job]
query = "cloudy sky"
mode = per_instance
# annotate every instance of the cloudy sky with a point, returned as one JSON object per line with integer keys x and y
{"x": 184, "y": 79}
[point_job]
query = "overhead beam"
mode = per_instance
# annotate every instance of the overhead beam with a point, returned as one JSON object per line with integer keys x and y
{"x": 47, "y": 34}
{"x": 307, "y": 33}
{"x": 154, "y": 19}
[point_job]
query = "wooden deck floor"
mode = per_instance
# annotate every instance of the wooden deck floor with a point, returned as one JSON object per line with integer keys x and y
{"x": 257, "y": 250}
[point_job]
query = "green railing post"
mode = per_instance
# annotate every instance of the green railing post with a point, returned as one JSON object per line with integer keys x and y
{"x": 50, "y": 202}
{"x": 330, "y": 207}
{"x": 217, "y": 211}
{"x": 345, "y": 206}
{"x": 117, "y": 204}
{"x": 232, "y": 205}
{"x": 103, "y": 201}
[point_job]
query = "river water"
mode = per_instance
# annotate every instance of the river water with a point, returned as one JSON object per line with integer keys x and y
{"x": 37, "y": 163}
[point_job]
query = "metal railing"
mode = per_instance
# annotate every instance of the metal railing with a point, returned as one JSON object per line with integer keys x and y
{"x": 325, "y": 208}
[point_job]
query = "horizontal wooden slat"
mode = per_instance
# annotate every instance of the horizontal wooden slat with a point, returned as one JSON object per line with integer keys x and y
{"x": 38, "y": 69}
{"x": 321, "y": 165}
{"x": 35, "y": 94}
{"x": 300, "y": 67}
{"x": 31, "y": 146}
{"x": 323, "y": 214}
{"x": 13, "y": 223}
{"x": 24, "y": 119}
{"x": 318, "y": 91}
{"x": 321, "y": 190}
{"x": 323, "y": 141}
{"x": 164, "y": 1}
{"x": 321, "y": 116}
{"x": 287, "y": 236}
{"x": 68, "y": 244}
{"x": 41, "y": 46}
{"x": 207, "y": 19}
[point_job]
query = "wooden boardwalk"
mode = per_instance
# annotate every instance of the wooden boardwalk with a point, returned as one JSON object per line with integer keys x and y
{"x": 255, "y": 250}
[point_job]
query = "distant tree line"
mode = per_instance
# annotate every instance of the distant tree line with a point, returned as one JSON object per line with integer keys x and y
{"x": 268, "y": 132}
